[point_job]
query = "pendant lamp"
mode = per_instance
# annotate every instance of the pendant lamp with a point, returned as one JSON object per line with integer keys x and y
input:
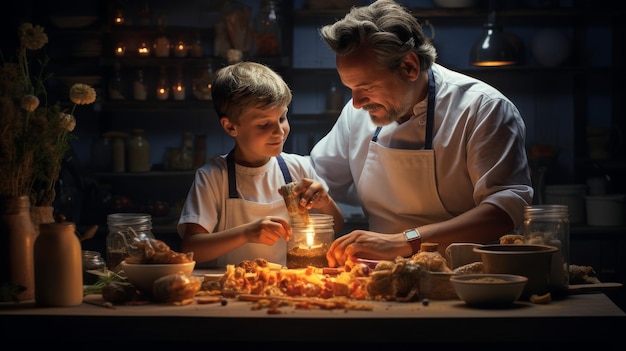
{"x": 495, "y": 47}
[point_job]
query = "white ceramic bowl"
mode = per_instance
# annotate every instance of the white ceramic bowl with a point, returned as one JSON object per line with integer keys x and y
{"x": 488, "y": 289}
{"x": 142, "y": 276}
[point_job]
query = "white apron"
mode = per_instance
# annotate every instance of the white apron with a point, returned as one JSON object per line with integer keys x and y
{"x": 239, "y": 211}
{"x": 398, "y": 187}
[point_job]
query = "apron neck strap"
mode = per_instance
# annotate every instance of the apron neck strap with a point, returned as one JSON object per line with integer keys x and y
{"x": 232, "y": 179}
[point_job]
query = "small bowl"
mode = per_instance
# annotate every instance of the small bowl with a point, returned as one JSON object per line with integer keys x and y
{"x": 531, "y": 261}
{"x": 490, "y": 290}
{"x": 143, "y": 275}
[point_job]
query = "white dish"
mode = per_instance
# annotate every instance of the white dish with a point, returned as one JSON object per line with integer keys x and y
{"x": 142, "y": 276}
{"x": 488, "y": 290}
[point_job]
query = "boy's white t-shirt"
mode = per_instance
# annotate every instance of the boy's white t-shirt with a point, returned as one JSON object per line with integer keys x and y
{"x": 206, "y": 201}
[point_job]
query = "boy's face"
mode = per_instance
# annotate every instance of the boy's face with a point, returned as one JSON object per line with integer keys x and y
{"x": 259, "y": 134}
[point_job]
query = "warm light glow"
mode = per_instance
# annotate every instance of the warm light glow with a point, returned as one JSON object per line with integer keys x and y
{"x": 119, "y": 17}
{"x": 163, "y": 93}
{"x": 310, "y": 237}
{"x": 120, "y": 49}
{"x": 179, "y": 91}
{"x": 143, "y": 50}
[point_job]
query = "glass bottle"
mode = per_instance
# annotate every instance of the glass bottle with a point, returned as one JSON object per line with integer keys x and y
{"x": 202, "y": 84}
{"x": 196, "y": 49}
{"x": 92, "y": 261}
{"x": 138, "y": 149}
{"x": 549, "y": 225}
{"x": 123, "y": 227}
{"x": 185, "y": 161}
{"x": 310, "y": 241}
{"x": 140, "y": 91}
{"x": 334, "y": 98}
{"x": 58, "y": 266}
{"x": 267, "y": 36}
{"x": 116, "y": 90}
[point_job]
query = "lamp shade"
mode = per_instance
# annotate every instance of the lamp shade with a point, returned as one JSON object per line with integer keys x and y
{"x": 494, "y": 48}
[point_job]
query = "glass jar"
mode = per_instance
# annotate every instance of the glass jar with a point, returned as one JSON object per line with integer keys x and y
{"x": 549, "y": 225}
{"x": 334, "y": 98}
{"x": 140, "y": 91}
{"x": 267, "y": 34}
{"x": 123, "y": 228}
{"x": 118, "y": 154}
{"x": 92, "y": 261}
{"x": 138, "y": 149}
{"x": 310, "y": 242}
{"x": 201, "y": 85}
{"x": 116, "y": 85}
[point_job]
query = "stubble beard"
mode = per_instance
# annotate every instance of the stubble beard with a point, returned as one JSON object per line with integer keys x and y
{"x": 390, "y": 116}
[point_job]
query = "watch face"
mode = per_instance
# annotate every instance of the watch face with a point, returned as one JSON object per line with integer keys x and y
{"x": 411, "y": 234}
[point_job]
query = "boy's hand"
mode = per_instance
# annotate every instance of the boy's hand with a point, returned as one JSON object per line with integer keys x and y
{"x": 268, "y": 230}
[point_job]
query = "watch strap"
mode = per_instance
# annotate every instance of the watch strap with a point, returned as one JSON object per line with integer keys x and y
{"x": 415, "y": 242}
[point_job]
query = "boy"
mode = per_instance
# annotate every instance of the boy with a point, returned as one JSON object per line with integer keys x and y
{"x": 234, "y": 210}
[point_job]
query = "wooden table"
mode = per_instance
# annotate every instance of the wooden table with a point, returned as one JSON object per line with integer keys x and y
{"x": 591, "y": 319}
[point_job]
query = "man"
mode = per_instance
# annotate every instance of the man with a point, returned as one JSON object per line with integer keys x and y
{"x": 431, "y": 155}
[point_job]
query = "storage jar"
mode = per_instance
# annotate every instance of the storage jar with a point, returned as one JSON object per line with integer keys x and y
{"x": 549, "y": 225}
{"x": 310, "y": 241}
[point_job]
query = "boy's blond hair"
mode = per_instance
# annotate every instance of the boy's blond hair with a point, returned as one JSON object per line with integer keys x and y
{"x": 247, "y": 85}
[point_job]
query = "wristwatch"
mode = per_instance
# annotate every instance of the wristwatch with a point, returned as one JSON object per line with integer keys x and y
{"x": 414, "y": 238}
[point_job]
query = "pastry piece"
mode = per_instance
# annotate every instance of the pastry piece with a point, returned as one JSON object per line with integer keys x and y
{"x": 470, "y": 268}
{"x": 582, "y": 275}
{"x": 511, "y": 239}
{"x": 292, "y": 202}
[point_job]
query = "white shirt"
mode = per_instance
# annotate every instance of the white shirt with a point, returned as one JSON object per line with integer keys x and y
{"x": 206, "y": 202}
{"x": 478, "y": 143}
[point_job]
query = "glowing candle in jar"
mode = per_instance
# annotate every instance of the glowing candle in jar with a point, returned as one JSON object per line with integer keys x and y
{"x": 143, "y": 50}
{"x": 179, "y": 91}
{"x": 163, "y": 93}
{"x": 310, "y": 239}
{"x": 119, "y": 17}
{"x": 120, "y": 49}
{"x": 180, "y": 50}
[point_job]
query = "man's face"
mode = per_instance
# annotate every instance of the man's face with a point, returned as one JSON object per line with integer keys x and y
{"x": 385, "y": 94}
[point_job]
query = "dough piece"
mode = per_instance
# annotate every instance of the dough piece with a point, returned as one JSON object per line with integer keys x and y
{"x": 292, "y": 203}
